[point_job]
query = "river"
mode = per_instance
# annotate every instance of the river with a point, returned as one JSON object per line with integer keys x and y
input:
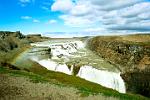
{"x": 73, "y": 58}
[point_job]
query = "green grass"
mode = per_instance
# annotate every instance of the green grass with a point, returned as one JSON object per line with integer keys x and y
{"x": 40, "y": 74}
{"x": 33, "y": 77}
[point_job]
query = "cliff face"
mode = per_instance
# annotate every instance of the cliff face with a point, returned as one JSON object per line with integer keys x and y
{"x": 137, "y": 82}
{"x": 131, "y": 54}
{"x": 127, "y": 55}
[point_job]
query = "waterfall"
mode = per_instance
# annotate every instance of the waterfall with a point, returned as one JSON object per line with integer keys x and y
{"x": 61, "y": 48}
{"x": 65, "y": 49}
{"x": 51, "y": 65}
{"x": 105, "y": 78}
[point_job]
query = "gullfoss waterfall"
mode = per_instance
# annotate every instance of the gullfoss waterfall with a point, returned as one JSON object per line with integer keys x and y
{"x": 75, "y": 52}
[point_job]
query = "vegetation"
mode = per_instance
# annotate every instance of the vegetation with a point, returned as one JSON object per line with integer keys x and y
{"x": 38, "y": 73}
{"x": 12, "y": 87}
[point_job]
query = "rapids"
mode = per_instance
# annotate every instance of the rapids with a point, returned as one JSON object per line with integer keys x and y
{"x": 92, "y": 67}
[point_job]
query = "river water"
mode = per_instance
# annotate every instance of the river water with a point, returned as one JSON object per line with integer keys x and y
{"x": 65, "y": 55}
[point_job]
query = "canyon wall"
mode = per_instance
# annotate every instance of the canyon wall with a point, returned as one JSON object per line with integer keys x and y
{"x": 130, "y": 54}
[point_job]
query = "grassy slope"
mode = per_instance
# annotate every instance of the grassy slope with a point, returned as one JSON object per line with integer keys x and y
{"x": 21, "y": 88}
{"x": 40, "y": 74}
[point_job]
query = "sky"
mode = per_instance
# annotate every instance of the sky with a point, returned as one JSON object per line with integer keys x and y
{"x": 83, "y": 17}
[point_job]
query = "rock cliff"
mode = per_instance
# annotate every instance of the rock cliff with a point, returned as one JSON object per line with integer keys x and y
{"x": 130, "y": 54}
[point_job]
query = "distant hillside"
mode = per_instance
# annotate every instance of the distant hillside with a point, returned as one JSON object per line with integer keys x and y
{"x": 13, "y": 43}
{"x": 10, "y": 40}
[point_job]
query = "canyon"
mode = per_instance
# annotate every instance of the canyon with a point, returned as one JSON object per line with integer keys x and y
{"x": 64, "y": 51}
{"x": 131, "y": 55}
{"x": 109, "y": 66}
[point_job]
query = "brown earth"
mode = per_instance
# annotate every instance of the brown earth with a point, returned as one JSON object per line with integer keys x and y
{"x": 21, "y": 88}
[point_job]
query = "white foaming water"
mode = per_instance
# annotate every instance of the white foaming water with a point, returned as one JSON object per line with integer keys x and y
{"x": 108, "y": 79}
{"x": 64, "y": 48}
{"x": 51, "y": 65}
{"x": 105, "y": 78}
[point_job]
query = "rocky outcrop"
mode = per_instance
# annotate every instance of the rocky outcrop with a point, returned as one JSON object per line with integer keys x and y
{"x": 132, "y": 58}
{"x": 124, "y": 54}
{"x": 138, "y": 82}
{"x": 76, "y": 66}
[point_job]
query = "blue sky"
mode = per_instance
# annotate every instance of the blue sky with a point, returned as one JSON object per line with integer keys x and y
{"x": 29, "y": 16}
{"x": 95, "y": 16}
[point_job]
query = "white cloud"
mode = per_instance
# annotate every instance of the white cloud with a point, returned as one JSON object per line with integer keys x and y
{"x": 30, "y": 18}
{"x": 113, "y": 4}
{"x": 76, "y": 21}
{"x": 95, "y": 29}
{"x": 36, "y": 21}
{"x": 45, "y": 8}
{"x": 62, "y": 5}
{"x": 26, "y": 17}
{"x": 136, "y": 9}
{"x": 144, "y": 16}
{"x": 66, "y": 34}
{"x": 81, "y": 9}
{"x": 24, "y": 1}
{"x": 52, "y": 21}
{"x": 110, "y": 15}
